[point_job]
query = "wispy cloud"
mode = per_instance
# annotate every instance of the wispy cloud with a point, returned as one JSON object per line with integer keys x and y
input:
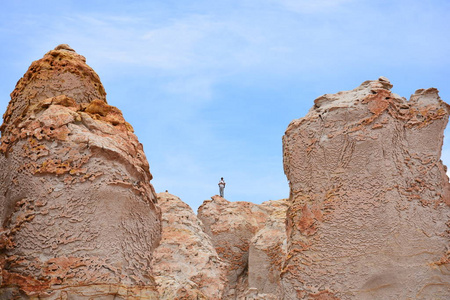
{"x": 316, "y": 6}
{"x": 209, "y": 84}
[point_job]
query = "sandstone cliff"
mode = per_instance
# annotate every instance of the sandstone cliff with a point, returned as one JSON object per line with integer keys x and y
{"x": 369, "y": 197}
{"x": 77, "y": 210}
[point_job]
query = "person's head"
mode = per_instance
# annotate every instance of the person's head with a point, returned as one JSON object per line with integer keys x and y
{"x": 221, "y": 178}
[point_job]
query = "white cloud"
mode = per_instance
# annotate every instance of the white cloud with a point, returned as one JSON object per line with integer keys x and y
{"x": 256, "y": 41}
{"x": 175, "y": 61}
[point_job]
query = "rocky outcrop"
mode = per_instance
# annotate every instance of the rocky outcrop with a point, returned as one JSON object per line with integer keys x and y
{"x": 77, "y": 210}
{"x": 369, "y": 213}
{"x": 250, "y": 238}
{"x": 186, "y": 265}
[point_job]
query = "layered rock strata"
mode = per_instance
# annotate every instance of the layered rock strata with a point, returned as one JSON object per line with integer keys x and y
{"x": 369, "y": 197}
{"x": 250, "y": 238}
{"x": 77, "y": 209}
{"x": 186, "y": 265}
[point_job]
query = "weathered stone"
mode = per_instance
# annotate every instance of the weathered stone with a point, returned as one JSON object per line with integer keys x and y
{"x": 369, "y": 214}
{"x": 76, "y": 205}
{"x": 249, "y": 237}
{"x": 186, "y": 265}
{"x": 267, "y": 251}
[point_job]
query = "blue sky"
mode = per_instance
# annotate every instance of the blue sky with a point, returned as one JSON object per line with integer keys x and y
{"x": 210, "y": 86}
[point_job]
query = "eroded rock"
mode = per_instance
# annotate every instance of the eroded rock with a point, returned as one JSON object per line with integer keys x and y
{"x": 77, "y": 209}
{"x": 250, "y": 239}
{"x": 369, "y": 214}
{"x": 186, "y": 265}
{"x": 267, "y": 251}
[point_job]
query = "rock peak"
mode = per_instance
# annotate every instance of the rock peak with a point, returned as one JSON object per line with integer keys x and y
{"x": 60, "y": 72}
{"x": 64, "y": 47}
{"x": 382, "y": 82}
{"x": 78, "y": 214}
{"x": 348, "y": 99}
{"x": 385, "y": 82}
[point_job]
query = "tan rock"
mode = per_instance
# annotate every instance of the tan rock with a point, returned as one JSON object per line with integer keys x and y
{"x": 77, "y": 209}
{"x": 253, "y": 251}
{"x": 369, "y": 214}
{"x": 186, "y": 265}
{"x": 267, "y": 251}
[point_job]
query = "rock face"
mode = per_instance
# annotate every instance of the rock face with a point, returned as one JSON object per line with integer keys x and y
{"x": 186, "y": 265}
{"x": 369, "y": 214}
{"x": 267, "y": 251}
{"x": 77, "y": 210}
{"x": 250, "y": 238}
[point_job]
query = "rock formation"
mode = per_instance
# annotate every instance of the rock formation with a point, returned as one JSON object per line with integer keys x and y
{"x": 77, "y": 210}
{"x": 367, "y": 218}
{"x": 369, "y": 197}
{"x": 250, "y": 239}
{"x": 186, "y": 265}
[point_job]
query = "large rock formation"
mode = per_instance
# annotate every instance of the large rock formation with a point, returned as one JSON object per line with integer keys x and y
{"x": 76, "y": 206}
{"x": 250, "y": 238}
{"x": 369, "y": 214}
{"x": 186, "y": 265}
{"x": 367, "y": 218}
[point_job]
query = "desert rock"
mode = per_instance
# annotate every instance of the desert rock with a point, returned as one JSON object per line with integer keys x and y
{"x": 369, "y": 212}
{"x": 267, "y": 251}
{"x": 250, "y": 239}
{"x": 186, "y": 265}
{"x": 77, "y": 207}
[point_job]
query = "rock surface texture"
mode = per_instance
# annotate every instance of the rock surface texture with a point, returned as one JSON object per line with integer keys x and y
{"x": 250, "y": 238}
{"x": 186, "y": 265}
{"x": 77, "y": 210}
{"x": 369, "y": 197}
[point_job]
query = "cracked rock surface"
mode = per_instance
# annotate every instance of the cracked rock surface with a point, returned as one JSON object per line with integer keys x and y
{"x": 77, "y": 209}
{"x": 369, "y": 197}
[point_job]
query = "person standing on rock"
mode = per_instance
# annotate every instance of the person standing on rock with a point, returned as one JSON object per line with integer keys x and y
{"x": 221, "y": 186}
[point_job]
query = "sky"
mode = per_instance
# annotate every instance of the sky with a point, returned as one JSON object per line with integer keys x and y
{"x": 211, "y": 86}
